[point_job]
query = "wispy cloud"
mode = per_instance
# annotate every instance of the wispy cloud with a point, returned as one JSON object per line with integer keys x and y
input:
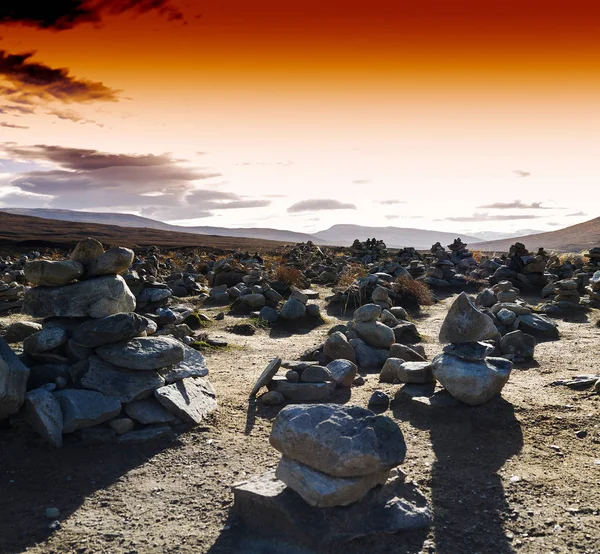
{"x": 318, "y": 204}
{"x": 488, "y": 217}
{"x": 517, "y": 205}
{"x": 576, "y": 214}
{"x": 13, "y": 126}
{"x": 391, "y": 202}
{"x": 521, "y": 174}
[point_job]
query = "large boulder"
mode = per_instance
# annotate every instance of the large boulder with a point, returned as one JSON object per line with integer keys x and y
{"x": 85, "y": 408}
{"x": 42, "y": 411}
{"x": 293, "y": 309}
{"x": 337, "y": 347}
{"x": 369, "y": 357}
{"x": 375, "y": 334}
{"x": 144, "y": 353}
{"x": 191, "y": 399}
{"x": 341, "y": 441}
{"x": 48, "y": 273}
{"x": 123, "y": 384}
{"x": 87, "y": 251}
{"x": 13, "y": 381}
{"x": 112, "y": 262}
{"x": 95, "y": 298}
{"x": 465, "y": 323}
{"x": 471, "y": 382}
{"x": 324, "y": 491}
{"x": 113, "y": 328}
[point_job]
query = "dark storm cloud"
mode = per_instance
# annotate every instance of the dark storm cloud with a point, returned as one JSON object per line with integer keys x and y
{"x": 160, "y": 185}
{"x": 517, "y": 205}
{"x": 60, "y": 15}
{"x": 488, "y": 217}
{"x": 314, "y": 205}
{"x": 34, "y": 80}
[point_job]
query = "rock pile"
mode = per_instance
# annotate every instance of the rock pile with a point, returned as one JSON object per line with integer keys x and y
{"x": 93, "y": 367}
{"x": 466, "y": 367}
{"x": 522, "y": 267}
{"x": 368, "y": 251}
{"x": 337, "y": 479}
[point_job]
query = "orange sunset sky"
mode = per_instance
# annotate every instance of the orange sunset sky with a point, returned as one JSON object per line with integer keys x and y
{"x": 466, "y": 116}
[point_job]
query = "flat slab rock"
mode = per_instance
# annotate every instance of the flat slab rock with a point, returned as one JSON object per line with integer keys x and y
{"x": 85, "y": 408}
{"x": 42, "y": 412}
{"x": 149, "y": 411}
{"x": 266, "y": 507}
{"x": 144, "y": 353}
{"x": 301, "y": 392}
{"x": 13, "y": 381}
{"x": 190, "y": 399}
{"x": 265, "y": 377}
{"x": 192, "y": 365}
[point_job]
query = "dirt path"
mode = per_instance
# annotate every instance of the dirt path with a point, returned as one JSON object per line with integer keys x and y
{"x": 509, "y": 476}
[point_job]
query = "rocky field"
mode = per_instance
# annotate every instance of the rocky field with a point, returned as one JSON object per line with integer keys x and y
{"x": 515, "y": 468}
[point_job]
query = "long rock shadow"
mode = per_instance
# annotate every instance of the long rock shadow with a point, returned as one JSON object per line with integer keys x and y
{"x": 471, "y": 444}
{"x": 34, "y": 478}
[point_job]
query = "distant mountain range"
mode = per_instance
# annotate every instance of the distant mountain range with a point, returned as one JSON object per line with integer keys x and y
{"x": 339, "y": 235}
{"x": 571, "y": 239}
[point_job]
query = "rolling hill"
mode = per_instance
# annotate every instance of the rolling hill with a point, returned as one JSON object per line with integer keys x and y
{"x": 575, "y": 238}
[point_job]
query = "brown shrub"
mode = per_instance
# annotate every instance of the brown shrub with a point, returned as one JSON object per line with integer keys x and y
{"x": 350, "y": 273}
{"x": 289, "y": 275}
{"x": 411, "y": 293}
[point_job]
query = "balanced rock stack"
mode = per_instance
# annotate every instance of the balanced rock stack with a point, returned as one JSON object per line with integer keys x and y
{"x": 340, "y": 458}
{"x": 593, "y": 257}
{"x": 465, "y": 368}
{"x": 522, "y": 267}
{"x": 93, "y": 367}
{"x": 593, "y": 289}
{"x": 566, "y": 291}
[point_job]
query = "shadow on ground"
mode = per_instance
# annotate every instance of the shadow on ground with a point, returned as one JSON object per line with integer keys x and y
{"x": 471, "y": 444}
{"x": 34, "y": 478}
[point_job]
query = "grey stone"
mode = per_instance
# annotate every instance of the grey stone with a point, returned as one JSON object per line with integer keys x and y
{"x": 388, "y": 319}
{"x": 52, "y": 274}
{"x": 391, "y": 508}
{"x": 75, "y": 352}
{"x": 293, "y": 309}
{"x": 191, "y": 399}
{"x": 506, "y": 317}
{"x": 337, "y": 347}
{"x": 265, "y": 377}
{"x": 192, "y": 365}
{"x": 297, "y": 366}
{"x": 342, "y": 372}
{"x": 416, "y": 372}
{"x": 20, "y": 330}
{"x": 84, "y": 408}
{"x": 315, "y": 374}
{"x": 472, "y": 351}
{"x": 389, "y": 372}
{"x": 150, "y": 295}
{"x": 368, "y": 312}
{"x": 144, "y": 435}
{"x": 121, "y": 425}
{"x": 375, "y": 334}
{"x": 123, "y": 384}
{"x": 538, "y": 326}
{"x": 518, "y": 309}
{"x": 301, "y": 392}
{"x": 144, "y": 353}
{"x": 380, "y": 294}
{"x": 13, "y": 381}
{"x": 406, "y": 353}
{"x": 367, "y": 356}
{"x": 272, "y": 398}
{"x": 42, "y": 411}
{"x": 465, "y": 323}
{"x": 399, "y": 313}
{"x": 517, "y": 345}
{"x": 95, "y": 298}
{"x": 44, "y": 340}
{"x": 406, "y": 333}
{"x": 342, "y": 441}
{"x": 87, "y": 251}
{"x": 112, "y": 262}
{"x": 293, "y": 376}
{"x": 471, "y": 382}
{"x": 113, "y": 328}
{"x": 268, "y": 314}
{"x": 300, "y": 296}
{"x": 441, "y": 399}
{"x": 486, "y": 299}
{"x": 254, "y": 301}
{"x": 379, "y": 399}
{"x": 507, "y": 296}
{"x": 149, "y": 411}
{"x": 273, "y": 296}
{"x": 324, "y": 491}
{"x": 313, "y": 310}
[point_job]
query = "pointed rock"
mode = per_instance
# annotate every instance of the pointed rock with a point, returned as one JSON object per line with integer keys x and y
{"x": 465, "y": 323}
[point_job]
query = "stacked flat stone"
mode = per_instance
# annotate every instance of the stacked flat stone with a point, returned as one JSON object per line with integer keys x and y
{"x": 334, "y": 455}
{"x": 94, "y": 367}
{"x": 593, "y": 256}
{"x": 593, "y": 289}
{"x": 466, "y": 367}
{"x": 566, "y": 291}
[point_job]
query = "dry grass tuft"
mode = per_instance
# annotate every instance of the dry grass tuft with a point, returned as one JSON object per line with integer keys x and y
{"x": 412, "y": 293}
{"x": 289, "y": 275}
{"x": 350, "y": 273}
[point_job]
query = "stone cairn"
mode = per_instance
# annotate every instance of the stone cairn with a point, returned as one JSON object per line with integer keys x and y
{"x": 448, "y": 268}
{"x": 522, "y": 267}
{"x": 92, "y": 367}
{"x": 368, "y": 251}
{"x": 12, "y": 281}
{"x": 466, "y": 367}
{"x": 338, "y": 479}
